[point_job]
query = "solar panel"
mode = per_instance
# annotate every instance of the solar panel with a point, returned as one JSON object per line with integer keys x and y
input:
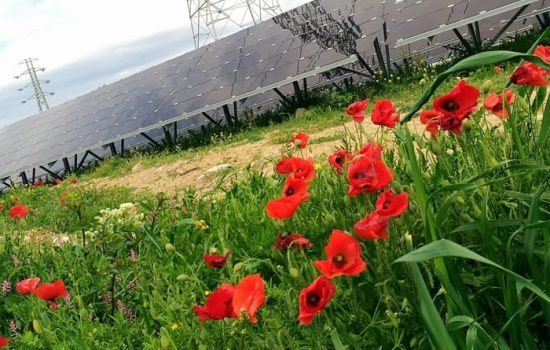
{"x": 242, "y": 70}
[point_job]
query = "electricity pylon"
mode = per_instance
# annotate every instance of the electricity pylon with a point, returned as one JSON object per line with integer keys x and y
{"x": 39, "y": 94}
{"x": 211, "y": 19}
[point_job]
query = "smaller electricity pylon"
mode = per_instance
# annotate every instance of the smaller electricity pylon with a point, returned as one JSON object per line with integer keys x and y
{"x": 39, "y": 94}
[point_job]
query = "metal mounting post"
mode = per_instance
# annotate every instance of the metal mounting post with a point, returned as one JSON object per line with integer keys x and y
{"x": 508, "y": 24}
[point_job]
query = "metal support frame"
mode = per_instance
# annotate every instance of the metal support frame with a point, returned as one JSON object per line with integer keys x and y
{"x": 508, "y": 24}
{"x": 121, "y": 147}
{"x": 235, "y": 112}
{"x": 364, "y": 63}
{"x": 379, "y": 56}
{"x": 7, "y": 184}
{"x": 227, "y": 115}
{"x": 463, "y": 41}
{"x": 305, "y": 87}
{"x": 336, "y": 86}
{"x": 66, "y": 165}
{"x": 298, "y": 92}
{"x": 151, "y": 140}
{"x": 112, "y": 147}
{"x": 50, "y": 172}
{"x": 33, "y": 175}
{"x": 83, "y": 159}
{"x": 210, "y": 118}
{"x": 349, "y": 70}
{"x": 24, "y": 178}
{"x": 75, "y": 164}
{"x": 284, "y": 100}
{"x": 544, "y": 19}
{"x": 474, "y": 33}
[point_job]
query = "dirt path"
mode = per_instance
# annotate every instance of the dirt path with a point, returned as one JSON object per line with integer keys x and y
{"x": 204, "y": 171}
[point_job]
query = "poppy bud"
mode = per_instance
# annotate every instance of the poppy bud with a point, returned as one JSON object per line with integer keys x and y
{"x": 237, "y": 267}
{"x": 467, "y": 124}
{"x": 486, "y": 87}
{"x": 294, "y": 273}
{"x": 183, "y": 277}
{"x": 84, "y": 314}
{"x": 510, "y": 204}
{"x": 169, "y": 247}
{"x": 213, "y": 250}
{"x": 37, "y": 326}
{"x": 165, "y": 341}
{"x": 434, "y": 147}
{"x": 422, "y": 82}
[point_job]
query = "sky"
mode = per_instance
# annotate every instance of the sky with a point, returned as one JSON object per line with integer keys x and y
{"x": 85, "y": 44}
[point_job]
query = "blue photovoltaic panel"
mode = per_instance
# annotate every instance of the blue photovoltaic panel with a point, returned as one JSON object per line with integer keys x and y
{"x": 245, "y": 67}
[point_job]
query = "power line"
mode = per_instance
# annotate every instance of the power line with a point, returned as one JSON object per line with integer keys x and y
{"x": 39, "y": 94}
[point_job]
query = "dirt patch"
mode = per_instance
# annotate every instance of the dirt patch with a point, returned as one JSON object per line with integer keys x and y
{"x": 205, "y": 171}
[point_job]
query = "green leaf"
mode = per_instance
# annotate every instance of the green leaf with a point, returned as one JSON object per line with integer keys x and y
{"x": 545, "y": 125}
{"x": 445, "y": 248}
{"x": 336, "y": 341}
{"x": 480, "y": 59}
{"x": 428, "y": 313}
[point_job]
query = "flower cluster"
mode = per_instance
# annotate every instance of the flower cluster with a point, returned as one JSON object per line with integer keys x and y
{"x": 45, "y": 291}
{"x": 242, "y": 300}
{"x": 126, "y": 215}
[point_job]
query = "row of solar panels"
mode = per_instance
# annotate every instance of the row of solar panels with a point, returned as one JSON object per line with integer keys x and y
{"x": 245, "y": 67}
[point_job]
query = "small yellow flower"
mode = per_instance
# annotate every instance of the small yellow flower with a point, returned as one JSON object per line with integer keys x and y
{"x": 174, "y": 326}
{"x": 201, "y": 225}
{"x": 318, "y": 166}
{"x": 207, "y": 293}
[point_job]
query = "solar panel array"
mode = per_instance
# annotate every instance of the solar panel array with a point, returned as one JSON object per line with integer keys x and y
{"x": 244, "y": 68}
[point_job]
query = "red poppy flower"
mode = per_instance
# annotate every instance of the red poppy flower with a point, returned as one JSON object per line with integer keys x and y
{"x": 372, "y": 150}
{"x": 3, "y": 341}
{"x": 294, "y": 186}
{"x": 390, "y": 205}
{"x": 2, "y": 207}
{"x": 74, "y": 181}
{"x": 338, "y": 159}
{"x": 367, "y": 175}
{"x": 284, "y": 208}
{"x": 459, "y": 102}
{"x": 218, "y": 305}
{"x": 57, "y": 181}
{"x": 27, "y": 286}
{"x": 286, "y": 239}
{"x": 384, "y": 113}
{"x": 51, "y": 291}
{"x": 431, "y": 119}
{"x": 18, "y": 212}
{"x": 299, "y": 167}
{"x": 300, "y": 140}
{"x": 529, "y": 74}
{"x": 493, "y": 102}
{"x": 372, "y": 226}
{"x": 216, "y": 260}
{"x": 344, "y": 256}
{"x": 356, "y": 110}
{"x": 543, "y": 52}
{"x": 315, "y": 298}
{"x": 249, "y": 296}
{"x": 497, "y": 69}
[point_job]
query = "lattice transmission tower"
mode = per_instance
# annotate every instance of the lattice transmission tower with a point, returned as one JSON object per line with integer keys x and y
{"x": 39, "y": 94}
{"x": 212, "y": 19}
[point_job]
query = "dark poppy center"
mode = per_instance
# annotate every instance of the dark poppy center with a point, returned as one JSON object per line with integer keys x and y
{"x": 313, "y": 299}
{"x": 338, "y": 160}
{"x": 339, "y": 260}
{"x": 450, "y": 105}
{"x": 359, "y": 176}
{"x": 386, "y": 204}
{"x": 497, "y": 107}
{"x": 289, "y": 192}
